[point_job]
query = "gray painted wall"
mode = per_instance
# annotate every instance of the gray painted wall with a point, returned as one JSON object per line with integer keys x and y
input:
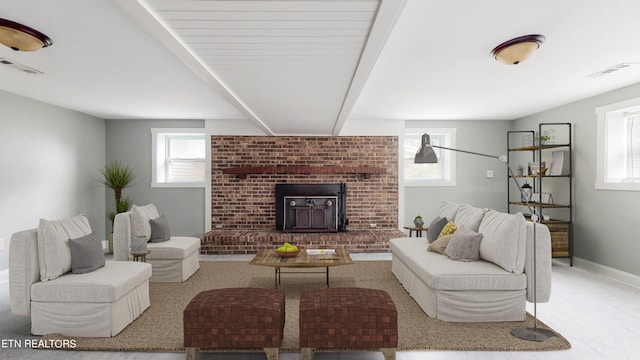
{"x": 50, "y": 158}
{"x": 130, "y": 141}
{"x": 472, "y": 185}
{"x": 604, "y": 230}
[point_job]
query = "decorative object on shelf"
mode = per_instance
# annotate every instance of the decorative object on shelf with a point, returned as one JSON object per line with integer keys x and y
{"x": 546, "y": 217}
{"x": 544, "y": 198}
{"x": 515, "y": 51}
{"x": 525, "y": 192}
{"x": 536, "y": 168}
{"x": 426, "y": 155}
{"x": 520, "y": 171}
{"x": 21, "y": 37}
{"x": 558, "y": 165}
{"x": 541, "y": 139}
{"x": 418, "y": 222}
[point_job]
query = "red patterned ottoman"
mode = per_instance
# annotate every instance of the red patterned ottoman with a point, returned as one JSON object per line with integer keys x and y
{"x": 348, "y": 318}
{"x": 237, "y": 318}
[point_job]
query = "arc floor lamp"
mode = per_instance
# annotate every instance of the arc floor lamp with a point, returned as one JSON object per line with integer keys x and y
{"x": 426, "y": 155}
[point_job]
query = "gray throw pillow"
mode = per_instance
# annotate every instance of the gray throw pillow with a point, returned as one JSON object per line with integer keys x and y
{"x": 464, "y": 245}
{"x": 87, "y": 254}
{"x": 159, "y": 229}
{"x": 435, "y": 227}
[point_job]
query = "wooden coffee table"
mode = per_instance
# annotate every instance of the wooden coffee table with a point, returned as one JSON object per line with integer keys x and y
{"x": 302, "y": 260}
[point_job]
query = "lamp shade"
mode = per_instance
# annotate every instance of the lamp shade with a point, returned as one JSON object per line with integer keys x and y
{"x": 517, "y": 50}
{"x": 21, "y": 37}
{"x": 425, "y": 154}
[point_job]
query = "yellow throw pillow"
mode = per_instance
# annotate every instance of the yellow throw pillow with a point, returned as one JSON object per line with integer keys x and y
{"x": 448, "y": 229}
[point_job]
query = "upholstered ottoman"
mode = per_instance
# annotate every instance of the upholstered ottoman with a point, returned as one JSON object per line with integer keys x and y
{"x": 348, "y": 318}
{"x": 237, "y": 318}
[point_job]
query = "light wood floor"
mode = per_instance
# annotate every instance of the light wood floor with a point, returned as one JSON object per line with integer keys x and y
{"x": 599, "y": 316}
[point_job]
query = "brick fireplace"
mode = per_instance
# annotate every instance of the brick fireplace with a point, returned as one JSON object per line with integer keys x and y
{"x": 246, "y": 169}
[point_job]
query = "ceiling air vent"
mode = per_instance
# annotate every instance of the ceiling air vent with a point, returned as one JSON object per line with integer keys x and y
{"x": 611, "y": 69}
{"x": 20, "y": 67}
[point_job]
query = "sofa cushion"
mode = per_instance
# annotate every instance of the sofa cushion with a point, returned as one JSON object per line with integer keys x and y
{"x": 448, "y": 210}
{"x": 435, "y": 227}
{"x": 469, "y": 217}
{"x": 441, "y": 273}
{"x": 105, "y": 285}
{"x": 87, "y": 254}
{"x": 140, "y": 216}
{"x": 448, "y": 229}
{"x": 440, "y": 244}
{"x": 504, "y": 240}
{"x": 177, "y": 247}
{"x": 54, "y": 255}
{"x": 464, "y": 245}
{"x": 159, "y": 229}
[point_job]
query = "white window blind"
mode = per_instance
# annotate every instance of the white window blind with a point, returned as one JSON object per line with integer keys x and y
{"x": 633, "y": 147}
{"x": 185, "y": 159}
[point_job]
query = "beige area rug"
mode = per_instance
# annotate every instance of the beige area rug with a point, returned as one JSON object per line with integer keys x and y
{"x": 159, "y": 328}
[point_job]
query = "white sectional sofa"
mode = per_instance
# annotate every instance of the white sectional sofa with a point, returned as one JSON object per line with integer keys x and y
{"x": 174, "y": 260}
{"x": 494, "y": 288}
{"x": 99, "y": 303}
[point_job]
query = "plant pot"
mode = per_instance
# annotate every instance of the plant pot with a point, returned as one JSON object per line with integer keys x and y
{"x": 418, "y": 222}
{"x": 111, "y": 243}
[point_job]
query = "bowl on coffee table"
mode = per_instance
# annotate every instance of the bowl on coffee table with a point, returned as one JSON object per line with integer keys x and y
{"x": 288, "y": 254}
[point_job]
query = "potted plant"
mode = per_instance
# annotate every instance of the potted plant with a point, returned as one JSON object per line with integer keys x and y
{"x": 418, "y": 222}
{"x": 117, "y": 176}
{"x": 542, "y": 139}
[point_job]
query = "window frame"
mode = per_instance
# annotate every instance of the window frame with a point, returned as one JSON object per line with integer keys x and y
{"x": 605, "y": 148}
{"x": 159, "y": 157}
{"x": 449, "y": 156}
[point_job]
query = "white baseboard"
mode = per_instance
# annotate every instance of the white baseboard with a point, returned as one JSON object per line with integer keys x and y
{"x": 624, "y": 277}
{"x": 4, "y": 275}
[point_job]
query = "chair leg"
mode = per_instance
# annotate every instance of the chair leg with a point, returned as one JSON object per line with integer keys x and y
{"x": 389, "y": 353}
{"x": 306, "y": 353}
{"x": 272, "y": 353}
{"x": 191, "y": 353}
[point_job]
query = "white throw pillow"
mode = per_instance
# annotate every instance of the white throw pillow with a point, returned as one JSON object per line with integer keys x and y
{"x": 469, "y": 217}
{"x": 504, "y": 240}
{"x": 448, "y": 210}
{"x": 140, "y": 216}
{"x": 54, "y": 254}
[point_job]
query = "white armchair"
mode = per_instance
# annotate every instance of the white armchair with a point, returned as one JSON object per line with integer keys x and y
{"x": 99, "y": 303}
{"x": 174, "y": 260}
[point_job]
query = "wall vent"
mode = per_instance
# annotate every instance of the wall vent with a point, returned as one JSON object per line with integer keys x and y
{"x": 20, "y": 67}
{"x": 610, "y": 70}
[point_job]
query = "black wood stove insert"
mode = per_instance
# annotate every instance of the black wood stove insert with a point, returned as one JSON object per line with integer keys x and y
{"x": 311, "y": 207}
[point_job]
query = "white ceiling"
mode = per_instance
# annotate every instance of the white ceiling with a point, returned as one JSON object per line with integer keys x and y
{"x": 308, "y": 67}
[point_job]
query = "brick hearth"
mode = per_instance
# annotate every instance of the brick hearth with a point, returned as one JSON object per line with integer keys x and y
{"x": 223, "y": 242}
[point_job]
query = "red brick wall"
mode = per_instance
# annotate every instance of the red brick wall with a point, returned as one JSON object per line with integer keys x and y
{"x": 250, "y": 203}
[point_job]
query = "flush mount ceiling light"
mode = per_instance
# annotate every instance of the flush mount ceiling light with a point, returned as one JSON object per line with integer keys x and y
{"x": 21, "y": 37}
{"x": 516, "y": 50}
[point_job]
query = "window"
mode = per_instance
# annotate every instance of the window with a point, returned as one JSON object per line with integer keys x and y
{"x": 440, "y": 174}
{"x": 179, "y": 158}
{"x": 618, "y": 146}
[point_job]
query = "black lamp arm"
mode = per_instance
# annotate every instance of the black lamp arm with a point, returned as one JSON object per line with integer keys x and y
{"x": 465, "y": 151}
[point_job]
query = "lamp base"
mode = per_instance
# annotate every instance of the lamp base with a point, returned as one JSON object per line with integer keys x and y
{"x": 533, "y": 334}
